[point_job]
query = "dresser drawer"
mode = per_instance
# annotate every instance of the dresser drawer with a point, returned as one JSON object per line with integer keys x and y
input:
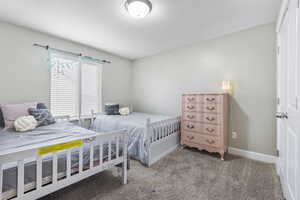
{"x": 192, "y": 126}
{"x": 211, "y": 141}
{"x": 195, "y": 138}
{"x": 211, "y": 118}
{"x": 211, "y": 130}
{"x": 193, "y": 107}
{"x": 192, "y": 116}
{"x": 191, "y": 98}
{"x": 189, "y": 136}
{"x": 212, "y": 108}
{"x": 211, "y": 99}
{"x": 190, "y": 107}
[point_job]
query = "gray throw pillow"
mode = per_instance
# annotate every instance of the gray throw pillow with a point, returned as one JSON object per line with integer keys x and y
{"x": 42, "y": 116}
{"x": 41, "y": 106}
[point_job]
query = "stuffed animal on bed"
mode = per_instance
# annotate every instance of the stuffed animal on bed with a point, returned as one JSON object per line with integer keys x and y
{"x": 42, "y": 116}
{"x": 124, "y": 111}
{"x": 25, "y": 123}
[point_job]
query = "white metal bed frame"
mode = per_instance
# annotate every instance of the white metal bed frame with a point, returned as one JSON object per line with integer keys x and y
{"x": 163, "y": 137}
{"x": 43, "y": 186}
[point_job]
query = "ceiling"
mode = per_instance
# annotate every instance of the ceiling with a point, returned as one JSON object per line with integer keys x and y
{"x": 105, "y": 24}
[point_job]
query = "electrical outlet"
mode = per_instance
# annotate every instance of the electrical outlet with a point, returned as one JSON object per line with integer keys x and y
{"x": 234, "y": 135}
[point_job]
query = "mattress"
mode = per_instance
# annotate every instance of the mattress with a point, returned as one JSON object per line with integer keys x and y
{"x": 10, "y": 139}
{"x": 134, "y": 124}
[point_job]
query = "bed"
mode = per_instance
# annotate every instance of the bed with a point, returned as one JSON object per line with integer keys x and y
{"x": 150, "y": 137}
{"x": 39, "y": 162}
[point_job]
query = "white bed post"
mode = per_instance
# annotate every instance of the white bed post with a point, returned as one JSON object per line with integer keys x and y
{"x": 148, "y": 139}
{"x": 20, "y": 179}
{"x": 80, "y": 168}
{"x": 124, "y": 165}
{"x": 39, "y": 177}
{"x": 79, "y": 121}
{"x": 147, "y": 129}
{"x": 1, "y": 180}
{"x": 54, "y": 167}
{"x": 69, "y": 163}
{"x": 93, "y": 115}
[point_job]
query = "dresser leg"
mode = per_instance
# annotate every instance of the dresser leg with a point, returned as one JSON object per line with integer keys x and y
{"x": 222, "y": 155}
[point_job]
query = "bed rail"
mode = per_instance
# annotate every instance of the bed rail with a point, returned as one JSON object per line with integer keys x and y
{"x": 41, "y": 186}
{"x": 163, "y": 137}
{"x": 157, "y": 131}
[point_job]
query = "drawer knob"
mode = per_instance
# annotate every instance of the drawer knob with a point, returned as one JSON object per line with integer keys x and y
{"x": 210, "y": 118}
{"x": 210, "y": 141}
{"x": 190, "y": 98}
{"x": 210, "y": 130}
{"x": 210, "y": 99}
{"x": 190, "y": 137}
{"x": 190, "y": 116}
{"x": 190, "y": 107}
{"x": 210, "y": 108}
{"x": 190, "y": 126}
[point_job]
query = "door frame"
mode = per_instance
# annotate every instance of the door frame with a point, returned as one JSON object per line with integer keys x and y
{"x": 283, "y": 171}
{"x": 281, "y": 17}
{"x": 283, "y": 10}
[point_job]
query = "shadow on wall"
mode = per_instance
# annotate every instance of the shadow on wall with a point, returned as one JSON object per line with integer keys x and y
{"x": 239, "y": 123}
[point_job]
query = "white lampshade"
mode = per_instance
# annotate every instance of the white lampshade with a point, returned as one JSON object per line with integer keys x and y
{"x": 226, "y": 86}
{"x": 138, "y": 8}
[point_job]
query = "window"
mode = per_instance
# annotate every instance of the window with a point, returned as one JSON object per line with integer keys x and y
{"x": 75, "y": 86}
{"x": 90, "y": 91}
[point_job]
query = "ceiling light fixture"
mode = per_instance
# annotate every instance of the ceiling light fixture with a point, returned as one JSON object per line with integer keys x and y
{"x": 138, "y": 8}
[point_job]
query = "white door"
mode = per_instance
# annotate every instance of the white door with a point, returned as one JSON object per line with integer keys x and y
{"x": 281, "y": 101}
{"x": 288, "y": 108}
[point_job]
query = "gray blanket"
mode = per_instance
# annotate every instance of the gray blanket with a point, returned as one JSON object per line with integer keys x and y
{"x": 135, "y": 124}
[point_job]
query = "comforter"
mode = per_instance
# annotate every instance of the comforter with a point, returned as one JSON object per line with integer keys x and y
{"x": 134, "y": 124}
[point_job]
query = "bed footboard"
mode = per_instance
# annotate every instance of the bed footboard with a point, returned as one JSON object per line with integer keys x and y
{"x": 164, "y": 137}
{"x": 111, "y": 151}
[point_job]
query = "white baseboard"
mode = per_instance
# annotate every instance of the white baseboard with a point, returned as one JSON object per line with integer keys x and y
{"x": 253, "y": 155}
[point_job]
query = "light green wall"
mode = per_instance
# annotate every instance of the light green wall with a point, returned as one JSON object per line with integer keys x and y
{"x": 247, "y": 58}
{"x": 24, "y": 74}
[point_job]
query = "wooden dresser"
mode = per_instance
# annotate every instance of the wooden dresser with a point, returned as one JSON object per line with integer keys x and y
{"x": 205, "y": 122}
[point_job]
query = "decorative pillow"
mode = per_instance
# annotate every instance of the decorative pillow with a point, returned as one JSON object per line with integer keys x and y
{"x": 25, "y": 123}
{"x": 42, "y": 116}
{"x": 13, "y": 111}
{"x": 124, "y": 111}
{"x": 41, "y": 106}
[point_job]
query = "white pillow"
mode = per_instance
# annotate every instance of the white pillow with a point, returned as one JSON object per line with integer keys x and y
{"x": 124, "y": 111}
{"x": 25, "y": 123}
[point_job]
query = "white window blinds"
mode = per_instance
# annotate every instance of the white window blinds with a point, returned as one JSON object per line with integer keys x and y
{"x": 75, "y": 86}
{"x": 64, "y": 86}
{"x": 90, "y": 88}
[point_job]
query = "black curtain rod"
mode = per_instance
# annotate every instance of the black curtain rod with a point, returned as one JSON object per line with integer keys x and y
{"x": 69, "y": 52}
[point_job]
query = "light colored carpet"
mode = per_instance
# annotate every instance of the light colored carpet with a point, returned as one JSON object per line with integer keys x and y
{"x": 183, "y": 175}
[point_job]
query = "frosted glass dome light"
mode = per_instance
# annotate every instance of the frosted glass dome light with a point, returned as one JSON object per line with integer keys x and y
{"x": 138, "y": 8}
